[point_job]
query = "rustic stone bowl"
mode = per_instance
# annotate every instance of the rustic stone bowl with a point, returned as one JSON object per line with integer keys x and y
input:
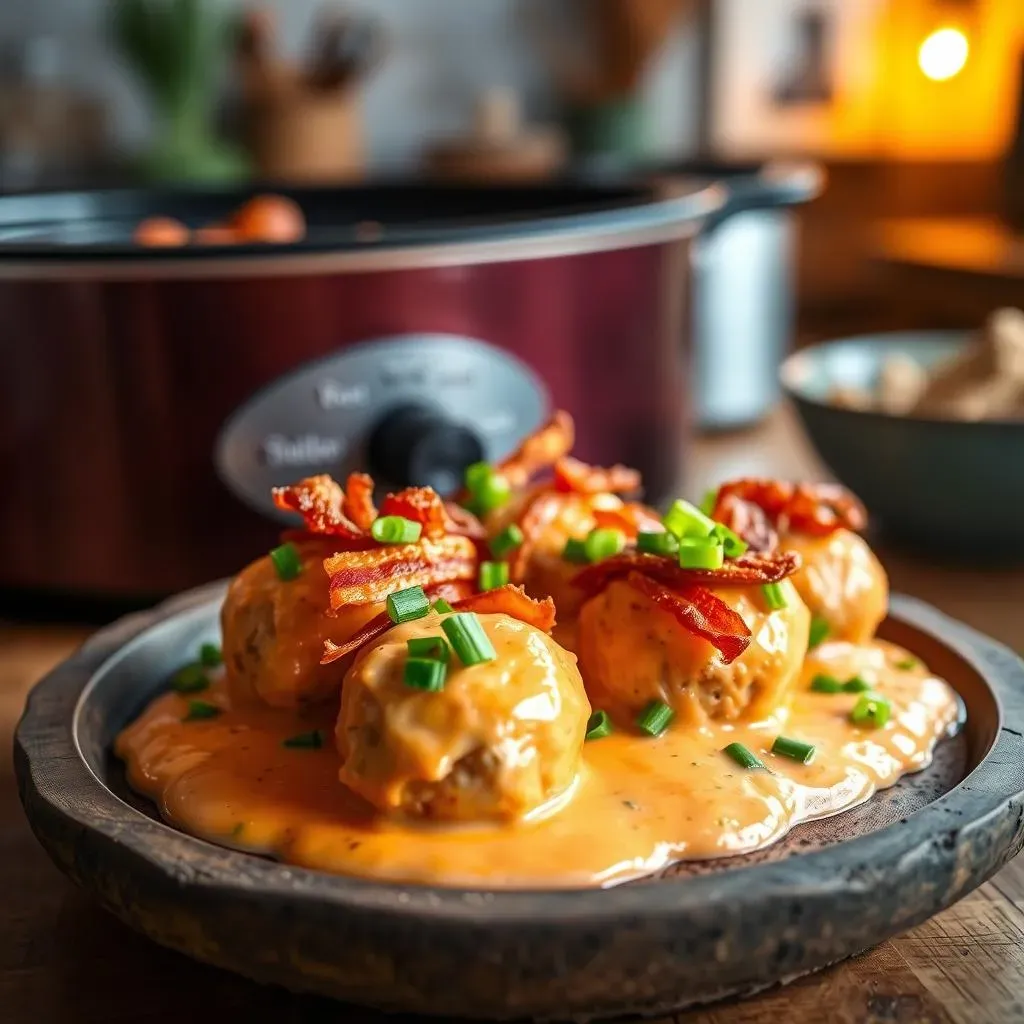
{"x": 693, "y": 934}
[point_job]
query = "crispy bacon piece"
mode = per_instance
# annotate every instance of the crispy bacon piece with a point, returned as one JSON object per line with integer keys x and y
{"x": 452, "y": 592}
{"x": 699, "y": 612}
{"x": 513, "y": 601}
{"x": 363, "y": 577}
{"x": 739, "y": 571}
{"x": 358, "y": 504}
{"x": 749, "y": 521}
{"x": 580, "y": 478}
{"x": 816, "y": 509}
{"x": 320, "y": 501}
{"x": 421, "y": 505}
{"x": 541, "y": 450}
{"x": 507, "y": 600}
{"x": 461, "y": 521}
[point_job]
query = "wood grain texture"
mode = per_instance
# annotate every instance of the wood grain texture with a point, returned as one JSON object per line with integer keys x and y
{"x": 62, "y": 961}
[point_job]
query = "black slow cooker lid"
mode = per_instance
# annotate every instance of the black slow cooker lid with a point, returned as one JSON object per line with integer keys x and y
{"x": 95, "y": 225}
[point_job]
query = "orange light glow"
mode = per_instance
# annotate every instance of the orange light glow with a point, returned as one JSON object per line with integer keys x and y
{"x": 943, "y": 54}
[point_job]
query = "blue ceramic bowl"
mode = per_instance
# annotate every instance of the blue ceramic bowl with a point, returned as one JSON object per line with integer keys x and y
{"x": 950, "y": 488}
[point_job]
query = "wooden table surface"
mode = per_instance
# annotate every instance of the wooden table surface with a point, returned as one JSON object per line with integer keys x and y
{"x": 64, "y": 961}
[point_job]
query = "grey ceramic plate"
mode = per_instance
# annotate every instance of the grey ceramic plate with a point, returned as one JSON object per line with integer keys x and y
{"x": 691, "y": 935}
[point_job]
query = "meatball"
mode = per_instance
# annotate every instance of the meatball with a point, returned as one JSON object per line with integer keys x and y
{"x": 632, "y": 652}
{"x": 841, "y": 582}
{"x": 498, "y": 741}
{"x": 274, "y": 632}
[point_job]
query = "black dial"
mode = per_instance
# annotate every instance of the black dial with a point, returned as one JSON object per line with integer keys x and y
{"x": 415, "y": 446}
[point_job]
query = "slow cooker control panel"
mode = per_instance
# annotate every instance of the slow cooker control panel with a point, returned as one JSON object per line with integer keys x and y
{"x": 413, "y": 410}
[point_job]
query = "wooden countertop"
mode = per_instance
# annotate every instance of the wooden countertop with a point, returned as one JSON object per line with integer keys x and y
{"x": 64, "y": 961}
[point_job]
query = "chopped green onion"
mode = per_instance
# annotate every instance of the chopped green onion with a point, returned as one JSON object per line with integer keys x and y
{"x": 743, "y": 756}
{"x": 287, "y": 561}
{"x": 856, "y": 684}
{"x": 199, "y": 710}
{"x": 395, "y": 530}
{"x": 602, "y": 543}
{"x": 796, "y": 750}
{"x": 906, "y": 664}
{"x": 493, "y": 575}
{"x": 425, "y": 674}
{"x": 709, "y": 501}
{"x": 467, "y": 636}
{"x": 871, "y": 711}
{"x": 190, "y": 679}
{"x": 442, "y": 607}
{"x": 662, "y": 543}
{"x": 408, "y": 604}
{"x": 507, "y": 541}
{"x": 210, "y": 655}
{"x": 433, "y": 647}
{"x": 490, "y": 490}
{"x": 654, "y": 718}
{"x": 477, "y": 475}
{"x": 700, "y": 553}
{"x": 575, "y": 550}
{"x": 305, "y": 741}
{"x": 820, "y": 630}
{"x": 826, "y": 684}
{"x": 599, "y": 725}
{"x": 733, "y": 543}
{"x": 686, "y": 520}
{"x": 774, "y": 596}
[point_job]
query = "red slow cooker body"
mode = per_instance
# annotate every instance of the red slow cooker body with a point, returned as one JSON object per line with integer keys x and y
{"x": 115, "y": 389}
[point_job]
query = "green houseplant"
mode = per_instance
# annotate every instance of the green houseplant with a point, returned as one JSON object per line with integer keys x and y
{"x": 175, "y": 48}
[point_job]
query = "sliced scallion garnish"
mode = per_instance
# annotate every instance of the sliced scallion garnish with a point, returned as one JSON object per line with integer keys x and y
{"x": 210, "y": 655}
{"x": 686, "y": 520}
{"x": 733, "y": 544}
{"x": 433, "y": 647}
{"x": 743, "y": 756}
{"x": 395, "y": 530}
{"x": 774, "y": 596}
{"x": 602, "y": 543}
{"x": 408, "y": 604}
{"x": 442, "y": 607}
{"x": 287, "y": 561}
{"x": 466, "y": 634}
{"x": 655, "y": 718}
{"x": 507, "y": 541}
{"x": 856, "y": 684}
{"x": 826, "y": 684}
{"x": 709, "y": 501}
{"x": 190, "y": 678}
{"x": 575, "y": 551}
{"x": 425, "y": 674}
{"x": 871, "y": 711}
{"x": 795, "y": 750}
{"x": 820, "y": 630}
{"x": 906, "y": 664}
{"x": 662, "y": 543}
{"x": 493, "y": 575}
{"x": 198, "y": 710}
{"x": 599, "y": 725}
{"x": 313, "y": 740}
{"x": 700, "y": 553}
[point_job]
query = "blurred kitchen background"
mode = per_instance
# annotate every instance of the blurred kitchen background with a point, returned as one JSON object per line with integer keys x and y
{"x": 913, "y": 108}
{"x": 880, "y": 144}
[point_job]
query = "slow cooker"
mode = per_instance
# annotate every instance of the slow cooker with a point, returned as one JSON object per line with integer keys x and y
{"x": 151, "y": 397}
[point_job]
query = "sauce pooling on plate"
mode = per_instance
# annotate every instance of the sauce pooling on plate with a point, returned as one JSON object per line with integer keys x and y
{"x": 714, "y": 680}
{"x": 639, "y": 803}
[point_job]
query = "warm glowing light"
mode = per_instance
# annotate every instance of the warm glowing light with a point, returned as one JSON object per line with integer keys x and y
{"x": 943, "y": 54}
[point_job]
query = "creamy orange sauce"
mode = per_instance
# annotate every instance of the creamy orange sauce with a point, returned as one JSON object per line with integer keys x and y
{"x": 637, "y": 805}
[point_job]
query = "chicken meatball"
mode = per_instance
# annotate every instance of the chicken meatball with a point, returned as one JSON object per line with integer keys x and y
{"x": 498, "y": 741}
{"x": 274, "y": 632}
{"x": 632, "y": 652}
{"x": 841, "y": 582}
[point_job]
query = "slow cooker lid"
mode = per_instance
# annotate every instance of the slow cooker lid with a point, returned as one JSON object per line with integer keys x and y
{"x": 98, "y": 225}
